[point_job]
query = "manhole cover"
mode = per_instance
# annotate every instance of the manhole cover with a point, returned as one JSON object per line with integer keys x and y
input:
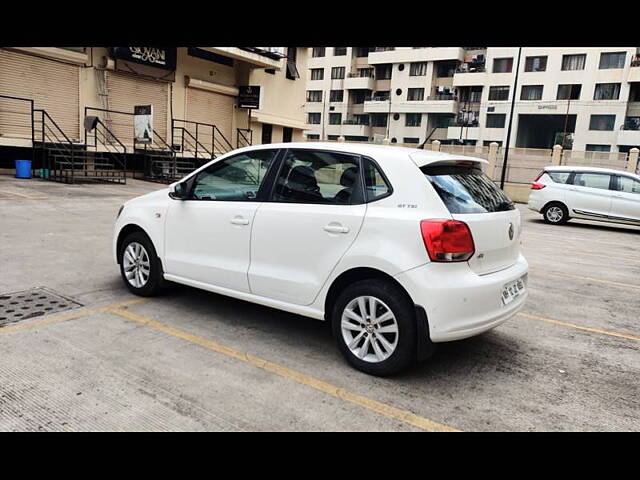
{"x": 18, "y": 306}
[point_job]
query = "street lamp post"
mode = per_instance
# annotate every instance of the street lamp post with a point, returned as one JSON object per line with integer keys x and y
{"x": 513, "y": 101}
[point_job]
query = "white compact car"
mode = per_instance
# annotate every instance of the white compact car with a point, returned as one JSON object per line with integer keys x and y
{"x": 398, "y": 248}
{"x": 560, "y": 193}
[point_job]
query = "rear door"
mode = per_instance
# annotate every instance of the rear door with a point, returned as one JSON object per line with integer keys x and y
{"x": 473, "y": 198}
{"x": 313, "y": 216}
{"x": 590, "y": 194}
{"x": 625, "y": 204}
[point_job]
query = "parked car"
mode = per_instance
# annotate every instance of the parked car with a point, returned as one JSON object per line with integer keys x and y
{"x": 398, "y": 248}
{"x": 560, "y": 193}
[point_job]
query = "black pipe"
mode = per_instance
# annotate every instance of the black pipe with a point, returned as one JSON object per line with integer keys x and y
{"x": 513, "y": 101}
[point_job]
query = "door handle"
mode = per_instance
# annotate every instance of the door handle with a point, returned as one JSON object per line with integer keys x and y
{"x": 332, "y": 228}
{"x": 239, "y": 221}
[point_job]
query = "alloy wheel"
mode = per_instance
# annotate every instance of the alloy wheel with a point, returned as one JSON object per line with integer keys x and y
{"x": 136, "y": 265}
{"x": 554, "y": 214}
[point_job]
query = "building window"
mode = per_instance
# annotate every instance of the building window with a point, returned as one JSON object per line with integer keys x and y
{"x": 362, "y": 52}
{"x": 332, "y": 137}
{"x": 598, "y": 148}
{"x": 336, "y": 95}
{"x": 413, "y": 119}
{"x": 442, "y": 121}
{"x": 498, "y": 93}
{"x": 317, "y": 74}
{"x": 602, "y": 122}
{"x": 411, "y": 140}
{"x": 314, "y": 95}
{"x": 318, "y": 52}
{"x": 569, "y": 92}
{"x": 335, "y": 118}
{"x": 607, "y": 91}
{"x": 574, "y": 62}
{"x": 337, "y": 73}
{"x": 415, "y": 94}
{"x": 502, "y": 65}
{"x": 612, "y": 60}
{"x": 496, "y": 120}
{"x": 446, "y": 69}
{"x": 379, "y": 119}
{"x": 313, "y": 118}
{"x": 535, "y": 64}
{"x": 381, "y": 95}
{"x": 313, "y": 136}
{"x": 531, "y": 92}
{"x": 365, "y": 72}
{"x": 360, "y": 96}
{"x": 418, "y": 69}
{"x": 383, "y": 72}
{"x": 339, "y": 51}
{"x": 287, "y": 134}
{"x": 292, "y": 70}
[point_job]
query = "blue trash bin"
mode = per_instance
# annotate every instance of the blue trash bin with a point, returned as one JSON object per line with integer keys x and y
{"x": 23, "y": 168}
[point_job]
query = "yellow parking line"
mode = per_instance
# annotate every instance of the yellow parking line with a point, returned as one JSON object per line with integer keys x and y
{"x": 69, "y": 316}
{"x": 301, "y": 378}
{"x": 628, "y": 336}
{"x": 598, "y": 280}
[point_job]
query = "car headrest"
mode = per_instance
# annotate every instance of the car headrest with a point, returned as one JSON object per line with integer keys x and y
{"x": 349, "y": 176}
{"x": 303, "y": 176}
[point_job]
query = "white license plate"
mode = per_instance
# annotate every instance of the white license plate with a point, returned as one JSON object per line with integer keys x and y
{"x": 512, "y": 290}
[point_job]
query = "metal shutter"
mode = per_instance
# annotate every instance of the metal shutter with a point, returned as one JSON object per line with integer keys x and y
{"x": 126, "y": 91}
{"x": 211, "y": 107}
{"x": 54, "y": 87}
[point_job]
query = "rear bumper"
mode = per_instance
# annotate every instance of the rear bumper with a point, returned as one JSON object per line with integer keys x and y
{"x": 458, "y": 302}
{"x": 535, "y": 203}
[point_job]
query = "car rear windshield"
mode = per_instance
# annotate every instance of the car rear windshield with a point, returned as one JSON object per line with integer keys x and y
{"x": 465, "y": 189}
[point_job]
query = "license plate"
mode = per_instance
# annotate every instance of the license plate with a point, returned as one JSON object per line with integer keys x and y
{"x": 512, "y": 290}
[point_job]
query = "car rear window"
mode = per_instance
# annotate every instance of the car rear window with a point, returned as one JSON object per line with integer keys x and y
{"x": 559, "y": 177}
{"x": 465, "y": 189}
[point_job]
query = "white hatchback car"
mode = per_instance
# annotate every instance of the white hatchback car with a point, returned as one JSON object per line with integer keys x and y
{"x": 398, "y": 248}
{"x": 562, "y": 192}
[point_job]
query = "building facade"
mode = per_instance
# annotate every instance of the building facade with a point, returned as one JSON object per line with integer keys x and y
{"x": 188, "y": 88}
{"x": 583, "y": 98}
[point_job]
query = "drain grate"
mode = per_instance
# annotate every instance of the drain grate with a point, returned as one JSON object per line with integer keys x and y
{"x": 18, "y": 306}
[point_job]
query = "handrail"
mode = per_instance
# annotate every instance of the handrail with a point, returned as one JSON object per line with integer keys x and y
{"x": 197, "y": 142}
{"x": 223, "y": 137}
{"x": 45, "y": 114}
{"x": 99, "y": 122}
{"x": 214, "y": 128}
{"x": 239, "y": 134}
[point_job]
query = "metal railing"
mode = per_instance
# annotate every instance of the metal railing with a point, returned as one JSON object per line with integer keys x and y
{"x": 244, "y": 137}
{"x": 57, "y": 152}
{"x": 471, "y": 68}
{"x": 205, "y": 134}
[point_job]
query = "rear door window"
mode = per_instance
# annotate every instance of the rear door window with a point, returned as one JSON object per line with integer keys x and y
{"x": 466, "y": 189}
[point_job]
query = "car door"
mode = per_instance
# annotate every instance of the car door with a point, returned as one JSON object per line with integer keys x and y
{"x": 207, "y": 236}
{"x": 590, "y": 194}
{"x": 314, "y": 214}
{"x": 625, "y": 204}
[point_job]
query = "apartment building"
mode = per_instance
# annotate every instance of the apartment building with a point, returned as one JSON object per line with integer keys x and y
{"x": 586, "y": 98}
{"x": 192, "y": 90}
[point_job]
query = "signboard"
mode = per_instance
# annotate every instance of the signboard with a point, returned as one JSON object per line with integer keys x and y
{"x": 249, "y": 96}
{"x": 143, "y": 123}
{"x": 159, "y": 57}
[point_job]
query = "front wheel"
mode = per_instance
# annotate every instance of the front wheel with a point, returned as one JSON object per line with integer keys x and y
{"x": 139, "y": 265}
{"x": 375, "y": 328}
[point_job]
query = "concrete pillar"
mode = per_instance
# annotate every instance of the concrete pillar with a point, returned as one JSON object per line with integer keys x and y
{"x": 492, "y": 158}
{"x": 341, "y": 138}
{"x": 386, "y": 141}
{"x": 632, "y": 164}
{"x": 435, "y": 145}
{"x": 556, "y": 157}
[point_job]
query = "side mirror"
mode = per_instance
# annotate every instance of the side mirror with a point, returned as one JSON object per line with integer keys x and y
{"x": 178, "y": 191}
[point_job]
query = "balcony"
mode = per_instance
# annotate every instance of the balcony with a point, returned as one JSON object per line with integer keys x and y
{"x": 630, "y": 132}
{"x": 406, "y": 55}
{"x": 634, "y": 71}
{"x": 355, "y": 81}
{"x": 377, "y": 105}
{"x": 464, "y": 132}
{"x": 352, "y": 127}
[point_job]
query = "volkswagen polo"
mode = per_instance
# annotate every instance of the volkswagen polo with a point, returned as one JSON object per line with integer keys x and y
{"x": 399, "y": 249}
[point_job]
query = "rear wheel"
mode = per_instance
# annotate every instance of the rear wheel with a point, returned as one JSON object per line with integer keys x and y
{"x": 555, "y": 213}
{"x": 375, "y": 328}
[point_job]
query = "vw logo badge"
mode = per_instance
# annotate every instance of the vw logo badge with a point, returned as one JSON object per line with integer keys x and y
{"x": 511, "y": 231}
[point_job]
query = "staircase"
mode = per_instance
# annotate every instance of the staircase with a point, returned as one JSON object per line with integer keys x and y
{"x": 61, "y": 160}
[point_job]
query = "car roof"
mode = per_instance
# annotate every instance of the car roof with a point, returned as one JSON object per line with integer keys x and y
{"x": 573, "y": 168}
{"x": 380, "y": 153}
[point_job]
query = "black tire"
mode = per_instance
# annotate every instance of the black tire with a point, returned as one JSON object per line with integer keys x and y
{"x": 155, "y": 279}
{"x": 402, "y": 308}
{"x": 550, "y": 213}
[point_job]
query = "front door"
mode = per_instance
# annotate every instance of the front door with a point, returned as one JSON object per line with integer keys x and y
{"x": 207, "y": 236}
{"x": 625, "y": 204}
{"x": 313, "y": 216}
{"x": 590, "y": 194}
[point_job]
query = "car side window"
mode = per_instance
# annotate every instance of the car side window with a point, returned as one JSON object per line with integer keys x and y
{"x": 628, "y": 185}
{"x": 592, "y": 180}
{"x": 375, "y": 185}
{"x": 234, "y": 179}
{"x": 559, "y": 177}
{"x": 309, "y": 176}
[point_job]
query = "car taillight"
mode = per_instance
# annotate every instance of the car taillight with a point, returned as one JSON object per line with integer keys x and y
{"x": 537, "y": 186}
{"x": 447, "y": 240}
{"x": 538, "y": 177}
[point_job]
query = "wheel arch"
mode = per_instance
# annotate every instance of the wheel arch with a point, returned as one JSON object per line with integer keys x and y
{"x": 127, "y": 230}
